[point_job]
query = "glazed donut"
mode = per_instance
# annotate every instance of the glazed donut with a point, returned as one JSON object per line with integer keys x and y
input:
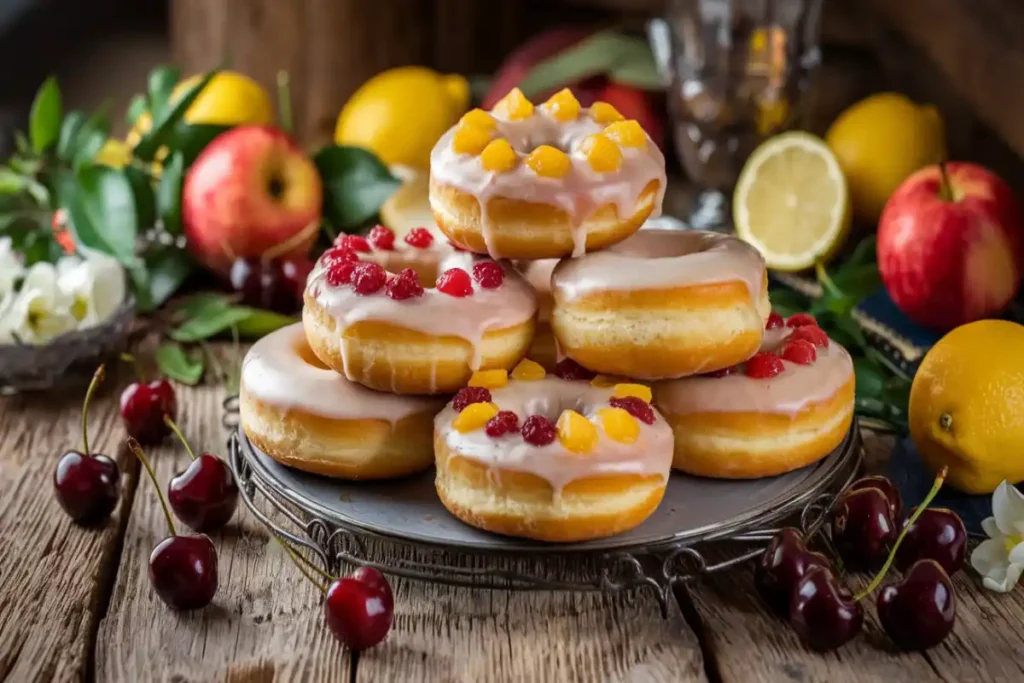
{"x": 787, "y": 407}
{"x": 311, "y": 418}
{"x": 422, "y": 249}
{"x": 662, "y": 304}
{"x": 387, "y": 332}
{"x": 558, "y": 180}
{"x": 561, "y": 461}
{"x": 544, "y": 348}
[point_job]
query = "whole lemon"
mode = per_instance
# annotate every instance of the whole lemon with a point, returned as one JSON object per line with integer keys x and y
{"x": 967, "y": 405}
{"x": 399, "y": 114}
{"x": 881, "y": 140}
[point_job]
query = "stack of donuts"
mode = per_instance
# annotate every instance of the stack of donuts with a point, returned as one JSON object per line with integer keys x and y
{"x": 554, "y": 361}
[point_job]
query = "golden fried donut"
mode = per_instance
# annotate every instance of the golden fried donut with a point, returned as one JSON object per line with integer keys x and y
{"x": 556, "y": 180}
{"x": 422, "y": 249}
{"x": 544, "y": 348}
{"x": 309, "y": 417}
{"x": 428, "y": 342}
{"x": 662, "y": 304}
{"x": 571, "y": 466}
{"x": 783, "y": 409}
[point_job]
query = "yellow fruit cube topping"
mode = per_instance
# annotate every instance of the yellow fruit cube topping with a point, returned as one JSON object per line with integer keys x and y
{"x": 478, "y": 118}
{"x": 604, "y": 381}
{"x": 549, "y": 162}
{"x": 474, "y": 416}
{"x": 489, "y": 379}
{"x": 638, "y": 390}
{"x": 563, "y": 106}
{"x": 498, "y": 156}
{"x": 603, "y": 155}
{"x": 514, "y": 106}
{"x": 619, "y": 425}
{"x": 576, "y": 433}
{"x": 627, "y": 134}
{"x": 604, "y": 113}
{"x": 470, "y": 140}
{"x": 528, "y": 370}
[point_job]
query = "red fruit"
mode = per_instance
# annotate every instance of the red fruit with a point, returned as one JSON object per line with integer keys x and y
{"x": 801, "y": 320}
{"x": 635, "y": 406}
{"x": 505, "y": 422}
{"x": 338, "y": 255}
{"x": 469, "y": 395}
{"x": 637, "y": 104}
{"x": 455, "y": 282}
{"x": 569, "y": 369}
{"x": 815, "y": 335}
{"x": 340, "y": 273}
{"x": 183, "y": 571}
{"x": 143, "y": 406}
{"x": 382, "y": 237}
{"x": 538, "y": 431}
{"x": 353, "y": 242}
{"x": 724, "y": 372}
{"x": 521, "y": 61}
{"x": 368, "y": 278}
{"x": 774, "y": 321}
{"x": 405, "y": 285}
{"x": 360, "y": 609}
{"x": 799, "y": 351}
{"x": 764, "y": 366}
{"x": 488, "y": 274}
{"x": 419, "y": 238}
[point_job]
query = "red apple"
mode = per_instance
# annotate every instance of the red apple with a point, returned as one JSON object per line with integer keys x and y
{"x": 951, "y": 254}
{"x": 521, "y": 61}
{"x": 250, "y": 191}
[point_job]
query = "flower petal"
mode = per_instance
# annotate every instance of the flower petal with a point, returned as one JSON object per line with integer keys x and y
{"x": 991, "y": 529}
{"x": 1007, "y": 508}
{"x": 1016, "y": 556}
{"x": 1005, "y": 581}
{"x": 989, "y": 555}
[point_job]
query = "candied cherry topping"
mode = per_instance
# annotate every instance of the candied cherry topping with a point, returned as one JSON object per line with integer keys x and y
{"x": 569, "y": 369}
{"x": 470, "y": 395}
{"x": 353, "y": 242}
{"x": 338, "y": 255}
{"x": 368, "y": 278}
{"x": 488, "y": 274}
{"x": 455, "y": 282}
{"x": 799, "y": 351}
{"x": 774, "y": 320}
{"x": 382, "y": 237}
{"x": 724, "y": 372}
{"x": 419, "y": 238}
{"x": 505, "y": 422}
{"x": 340, "y": 273}
{"x": 801, "y": 320}
{"x": 764, "y": 365}
{"x": 635, "y": 406}
{"x": 815, "y": 335}
{"x": 405, "y": 285}
{"x": 538, "y": 431}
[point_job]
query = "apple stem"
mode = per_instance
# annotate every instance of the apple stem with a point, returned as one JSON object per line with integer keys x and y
{"x": 284, "y": 101}
{"x": 939, "y": 479}
{"x": 945, "y": 189}
{"x": 137, "y": 450}
{"x": 97, "y": 379}
{"x": 181, "y": 437}
{"x": 304, "y": 566}
{"x": 287, "y": 245}
{"x": 140, "y": 373}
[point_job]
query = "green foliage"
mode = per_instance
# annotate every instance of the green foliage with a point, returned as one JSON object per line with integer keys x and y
{"x": 45, "y": 116}
{"x": 176, "y": 363}
{"x": 356, "y": 184}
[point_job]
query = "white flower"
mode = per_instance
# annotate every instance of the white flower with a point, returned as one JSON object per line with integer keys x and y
{"x": 40, "y": 310}
{"x": 94, "y": 287}
{"x": 1000, "y": 559}
{"x": 10, "y": 267}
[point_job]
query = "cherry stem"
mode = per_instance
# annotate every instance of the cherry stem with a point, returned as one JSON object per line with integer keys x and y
{"x": 137, "y": 450}
{"x": 303, "y": 565}
{"x": 139, "y": 372}
{"x": 181, "y": 437}
{"x": 97, "y": 379}
{"x": 939, "y": 479}
{"x": 289, "y": 244}
{"x": 284, "y": 101}
{"x": 945, "y": 189}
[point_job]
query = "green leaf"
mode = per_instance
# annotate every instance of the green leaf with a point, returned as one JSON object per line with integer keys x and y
{"x": 159, "y": 85}
{"x": 870, "y": 380}
{"x": 261, "y": 323}
{"x": 38, "y": 191}
{"x": 10, "y": 182}
{"x": 101, "y": 205}
{"x": 168, "y": 194}
{"x": 90, "y": 139}
{"x": 787, "y": 302}
{"x": 191, "y": 139}
{"x": 202, "y": 304}
{"x": 22, "y": 144}
{"x": 601, "y": 53}
{"x": 642, "y": 72}
{"x": 355, "y": 182}
{"x": 136, "y": 108}
{"x": 44, "y": 118}
{"x": 176, "y": 364}
{"x": 68, "y": 132}
{"x": 25, "y": 166}
{"x": 163, "y": 125}
{"x": 210, "y": 323}
{"x": 166, "y": 269}
{"x": 859, "y": 281}
{"x": 213, "y": 315}
{"x": 144, "y": 195}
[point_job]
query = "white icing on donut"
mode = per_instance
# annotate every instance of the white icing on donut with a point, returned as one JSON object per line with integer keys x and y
{"x": 650, "y": 454}
{"x": 279, "y": 370}
{"x": 538, "y": 274}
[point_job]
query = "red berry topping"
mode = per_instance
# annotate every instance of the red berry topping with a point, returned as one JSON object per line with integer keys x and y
{"x": 382, "y": 237}
{"x": 815, "y": 335}
{"x": 569, "y": 369}
{"x": 405, "y": 285}
{"x": 774, "y": 320}
{"x": 338, "y": 254}
{"x": 724, "y": 372}
{"x": 764, "y": 366}
{"x": 419, "y": 238}
{"x": 455, "y": 282}
{"x": 353, "y": 242}
{"x": 505, "y": 422}
{"x": 801, "y": 320}
{"x": 340, "y": 273}
{"x": 635, "y": 406}
{"x": 489, "y": 274}
{"x": 469, "y": 395}
{"x": 368, "y": 278}
{"x": 538, "y": 431}
{"x": 799, "y": 351}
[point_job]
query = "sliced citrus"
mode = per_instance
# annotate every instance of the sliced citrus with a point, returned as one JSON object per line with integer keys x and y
{"x": 408, "y": 207}
{"x": 791, "y": 202}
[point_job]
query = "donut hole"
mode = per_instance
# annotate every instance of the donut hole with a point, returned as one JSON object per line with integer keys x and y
{"x": 660, "y": 244}
{"x": 527, "y": 135}
{"x": 552, "y": 407}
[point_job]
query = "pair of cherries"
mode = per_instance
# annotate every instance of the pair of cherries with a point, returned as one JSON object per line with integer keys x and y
{"x": 917, "y": 612}
{"x": 274, "y": 285}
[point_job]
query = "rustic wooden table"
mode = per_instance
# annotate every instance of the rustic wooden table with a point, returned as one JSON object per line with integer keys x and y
{"x": 75, "y": 604}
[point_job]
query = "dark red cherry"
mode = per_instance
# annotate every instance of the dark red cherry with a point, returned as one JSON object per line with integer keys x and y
{"x": 887, "y": 488}
{"x": 205, "y": 495}
{"x": 294, "y": 272}
{"x": 823, "y": 612}
{"x": 919, "y": 611}
{"x": 863, "y": 529}
{"x": 183, "y": 571}
{"x": 782, "y": 565}
{"x": 270, "y": 285}
{"x": 143, "y": 406}
{"x": 359, "y": 609}
{"x": 937, "y": 534}
{"x": 87, "y": 486}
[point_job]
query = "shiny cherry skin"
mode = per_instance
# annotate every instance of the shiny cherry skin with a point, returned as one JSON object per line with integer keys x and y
{"x": 183, "y": 571}
{"x": 887, "y": 488}
{"x": 205, "y": 495}
{"x": 863, "y": 529}
{"x": 270, "y": 285}
{"x": 823, "y": 612}
{"x": 359, "y": 609}
{"x": 783, "y": 564}
{"x": 937, "y": 534}
{"x": 87, "y": 486}
{"x": 143, "y": 406}
{"x": 919, "y": 611}
{"x": 295, "y": 271}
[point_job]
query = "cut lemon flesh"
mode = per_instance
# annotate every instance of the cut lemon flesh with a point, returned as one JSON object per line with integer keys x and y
{"x": 791, "y": 202}
{"x": 409, "y": 206}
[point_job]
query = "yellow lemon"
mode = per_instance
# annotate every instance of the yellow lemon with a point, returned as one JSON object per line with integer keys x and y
{"x": 881, "y": 140}
{"x": 399, "y": 114}
{"x": 967, "y": 405}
